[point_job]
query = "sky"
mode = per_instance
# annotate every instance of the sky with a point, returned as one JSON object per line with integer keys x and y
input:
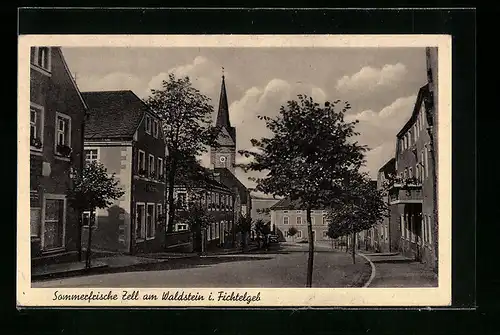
{"x": 381, "y": 84}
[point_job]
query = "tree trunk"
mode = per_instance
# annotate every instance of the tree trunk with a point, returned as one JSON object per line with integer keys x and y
{"x": 170, "y": 197}
{"x": 353, "y": 248}
{"x": 310, "y": 260}
{"x": 79, "y": 239}
{"x": 89, "y": 244}
{"x": 347, "y": 243}
{"x": 389, "y": 223}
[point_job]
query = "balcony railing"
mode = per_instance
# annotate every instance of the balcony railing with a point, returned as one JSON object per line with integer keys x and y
{"x": 406, "y": 192}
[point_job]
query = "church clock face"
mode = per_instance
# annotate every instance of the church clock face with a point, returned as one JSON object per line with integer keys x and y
{"x": 222, "y": 160}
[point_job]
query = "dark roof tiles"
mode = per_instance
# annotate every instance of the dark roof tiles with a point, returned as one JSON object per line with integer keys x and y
{"x": 113, "y": 114}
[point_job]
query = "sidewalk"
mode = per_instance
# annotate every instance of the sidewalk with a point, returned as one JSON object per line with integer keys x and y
{"x": 101, "y": 264}
{"x": 114, "y": 262}
{"x": 394, "y": 270}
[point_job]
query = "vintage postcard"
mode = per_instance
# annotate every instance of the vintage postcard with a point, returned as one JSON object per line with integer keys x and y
{"x": 234, "y": 171}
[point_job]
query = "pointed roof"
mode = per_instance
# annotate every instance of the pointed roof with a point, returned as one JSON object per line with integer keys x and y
{"x": 223, "y": 113}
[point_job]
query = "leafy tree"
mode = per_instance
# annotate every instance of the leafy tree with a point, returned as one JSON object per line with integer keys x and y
{"x": 310, "y": 153}
{"x": 361, "y": 207}
{"x": 187, "y": 119}
{"x": 197, "y": 216}
{"x": 93, "y": 188}
{"x": 244, "y": 226}
{"x": 292, "y": 232}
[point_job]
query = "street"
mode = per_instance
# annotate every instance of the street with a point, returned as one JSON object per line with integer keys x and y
{"x": 282, "y": 266}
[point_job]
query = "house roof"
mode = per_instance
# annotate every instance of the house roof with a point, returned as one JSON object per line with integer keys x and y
{"x": 113, "y": 114}
{"x": 388, "y": 167}
{"x": 413, "y": 118}
{"x": 230, "y": 180}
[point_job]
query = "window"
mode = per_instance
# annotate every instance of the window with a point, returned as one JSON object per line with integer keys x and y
{"x": 422, "y": 117}
{"x": 417, "y": 171}
{"x": 410, "y": 172}
{"x": 159, "y": 212}
{"x": 223, "y": 202}
{"x": 217, "y": 203}
{"x": 147, "y": 124}
{"x": 299, "y": 219}
{"x": 63, "y": 133}
{"x": 418, "y": 123}
{"x": 415, "y": 131}
{"x": 323, "y": 219}
{"x": 429, "y": 224}
{"x": 405, "y": 173}
{"x": 54, "y": 222}
{"x": 299, "y": 212}
{"x": 36, "y": 126}
{"x": 155, "y": 128}
{"x": 181, "y": 200}
{"x": 313, "y": 221}
{"x": 285, "y": 212}
{"x": 159, "y": 168}
{"x": 299, "y": 234}
{"x": 91, "y": 155}
{"x": 426, "y": 161}
{"x": 150, "y": 221}
{"x": 88, "y": 220}
{"x": 141, "y": 166}
{"x": 151, "y": 166}
{"x": 181, "y": 227}
{"x": 35, "y": 222}
{"x": 40, "y": 56}
{"x": 285, "y": 220}
{"x": 140, "y": 221}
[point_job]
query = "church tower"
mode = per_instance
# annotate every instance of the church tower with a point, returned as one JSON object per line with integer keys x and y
{"x": 224, "y": 156}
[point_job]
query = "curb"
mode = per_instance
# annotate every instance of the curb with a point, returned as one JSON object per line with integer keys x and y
{"x": 373, "y": 270}
{"x": 103, "y": 269}
{"x": 71, "y": 273}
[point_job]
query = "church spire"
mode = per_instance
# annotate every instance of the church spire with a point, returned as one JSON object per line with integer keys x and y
{"x": 223, "y": 112}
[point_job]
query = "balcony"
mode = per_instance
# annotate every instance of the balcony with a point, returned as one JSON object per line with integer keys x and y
{"x": 408, "y": 191}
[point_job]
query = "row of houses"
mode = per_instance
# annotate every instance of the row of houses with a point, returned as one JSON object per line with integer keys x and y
{"x": 409, "y": 180}
{"x": 69, "y": 129}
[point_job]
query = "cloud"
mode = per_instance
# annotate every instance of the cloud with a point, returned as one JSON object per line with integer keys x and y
{"x": 378, "y": 130}
{"x": 370, "y": 79}
{"x": 204, "y": 74}
{"x": 111, "y": 82}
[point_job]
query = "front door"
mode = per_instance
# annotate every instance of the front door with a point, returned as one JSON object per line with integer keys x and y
{"x": 53, "y": 224}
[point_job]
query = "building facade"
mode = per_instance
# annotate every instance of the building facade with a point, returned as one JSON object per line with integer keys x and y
{"x": 411, "y": 195}
{"x": 57, "y": 113}
{"x": 125, "y": 136}
{"x": 287, "y": 214}
{"x": 218, "y": 201}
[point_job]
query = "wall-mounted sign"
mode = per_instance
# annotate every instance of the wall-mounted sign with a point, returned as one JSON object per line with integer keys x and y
{"x": 151, "y": 188}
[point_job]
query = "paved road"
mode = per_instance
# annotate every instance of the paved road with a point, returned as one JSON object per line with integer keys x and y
{"x": 280, "y": 267}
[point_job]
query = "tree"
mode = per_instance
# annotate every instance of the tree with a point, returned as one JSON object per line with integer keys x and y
{"x": 93, "y": 188}
{"x": 187, "y": 117}
{"x": 360, "y": 208}
{"x": 292, "y": 232}
{"x": 197, "y": 217}
{"x": 309, "y": 154}
{"x": 262, "y": 229}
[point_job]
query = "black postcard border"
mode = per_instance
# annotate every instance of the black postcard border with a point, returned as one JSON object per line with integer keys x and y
{"x": 458, "y": 23}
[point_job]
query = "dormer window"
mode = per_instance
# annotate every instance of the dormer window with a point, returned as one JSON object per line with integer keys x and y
{"x": 148, "y": 124}
{"x": 40, "y": 57}
{"x": 155, "y": 128}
